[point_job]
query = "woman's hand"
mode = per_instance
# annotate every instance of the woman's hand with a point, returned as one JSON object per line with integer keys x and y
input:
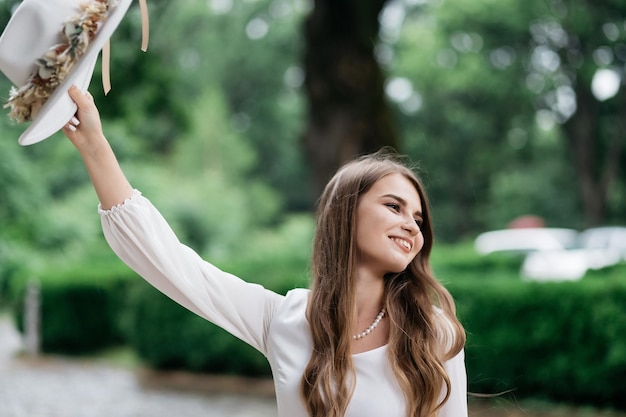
{"x": 85, "y": 128}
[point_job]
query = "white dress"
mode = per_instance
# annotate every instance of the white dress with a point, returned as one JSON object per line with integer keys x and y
{"x": 272, "y": 323}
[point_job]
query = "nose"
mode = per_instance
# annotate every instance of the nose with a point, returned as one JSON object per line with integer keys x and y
{"x": 412, "y": 227}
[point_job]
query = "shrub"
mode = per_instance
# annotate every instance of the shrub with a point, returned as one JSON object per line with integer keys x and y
{"x": 564, "y": 341}
{"x": 560, "y": 341}
{"x": 461, "y": 262}
{"x": 79, "y": 306}
{"x": 166, "y": 335}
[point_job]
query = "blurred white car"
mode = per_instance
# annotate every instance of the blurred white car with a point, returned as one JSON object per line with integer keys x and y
{"x": 558, "y": 254}
{"x": 526, "y": 240}
{"x": 608, "y": 238}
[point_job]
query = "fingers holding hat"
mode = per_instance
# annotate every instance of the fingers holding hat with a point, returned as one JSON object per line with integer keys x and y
{"x": 84, "y": 100}
{"x": 72, "y": 124}
{"x": 85, "y": 126}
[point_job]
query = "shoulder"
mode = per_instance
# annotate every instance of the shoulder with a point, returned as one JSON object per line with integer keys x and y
{"x": 297, "y": 298}
{"x": 298, "y": 293}
{"x": 292, "y": 308}
{"x": 289, "y": 328}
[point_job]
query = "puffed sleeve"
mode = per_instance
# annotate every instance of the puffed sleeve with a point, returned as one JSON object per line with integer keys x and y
{"x": 456, "y": 406}
{"x": 142, "y": 239}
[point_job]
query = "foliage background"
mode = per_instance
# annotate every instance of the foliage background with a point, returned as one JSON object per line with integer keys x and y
{"x": 216, "y": 107}
{"x": 487, "y": 97}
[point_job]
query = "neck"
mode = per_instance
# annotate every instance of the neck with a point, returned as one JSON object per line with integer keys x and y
{"x": 369, "y": 299}
{"x": 369, "y": 295}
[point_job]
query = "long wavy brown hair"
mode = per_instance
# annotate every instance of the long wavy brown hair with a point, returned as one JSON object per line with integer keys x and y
{"x": 424, "y": 330}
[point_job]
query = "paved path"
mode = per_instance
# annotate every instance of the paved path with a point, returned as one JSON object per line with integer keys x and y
{"x": 57, "y": 387}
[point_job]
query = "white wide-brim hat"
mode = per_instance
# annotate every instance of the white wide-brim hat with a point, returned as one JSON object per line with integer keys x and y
{"x": 35, "y": 28}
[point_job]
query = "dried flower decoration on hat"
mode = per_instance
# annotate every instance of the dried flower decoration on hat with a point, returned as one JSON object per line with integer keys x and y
{"x": 76, "y": 36}
{"x": 49, "y": 45}
{"x": 54, "y": 66}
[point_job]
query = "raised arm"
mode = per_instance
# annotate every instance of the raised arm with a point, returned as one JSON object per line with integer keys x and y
{"x": 141, "y": 237}
{"x": 85, "y": 132}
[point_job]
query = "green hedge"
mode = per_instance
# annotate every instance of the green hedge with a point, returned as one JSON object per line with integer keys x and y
{"x": 80, "y": 306}
{"x": 165, "y": 335}
{"x": 168, "y": 336}
{"x": 460, "y": 262}
{"x": 560, "y": 341}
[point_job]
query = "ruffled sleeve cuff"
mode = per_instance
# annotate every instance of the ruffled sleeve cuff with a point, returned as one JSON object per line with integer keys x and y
{"x": 119, "y": 207}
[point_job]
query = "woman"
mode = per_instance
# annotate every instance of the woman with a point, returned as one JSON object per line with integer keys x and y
{"x": 375, "y": 336}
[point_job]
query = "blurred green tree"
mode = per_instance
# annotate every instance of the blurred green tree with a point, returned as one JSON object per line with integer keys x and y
{"x": 157, "y": 111}
{"x": 248, "y": 49}
{"x": 506, "y": 88}
{"x": 489, "y": 96}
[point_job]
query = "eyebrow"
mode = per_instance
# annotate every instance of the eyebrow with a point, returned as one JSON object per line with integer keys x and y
{"x": 403, "y": 202}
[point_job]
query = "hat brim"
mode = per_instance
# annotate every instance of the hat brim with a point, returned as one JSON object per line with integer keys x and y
{"x": 60, "y": 108}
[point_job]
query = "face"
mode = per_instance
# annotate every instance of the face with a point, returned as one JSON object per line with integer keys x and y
{"x": 388, "y": 233}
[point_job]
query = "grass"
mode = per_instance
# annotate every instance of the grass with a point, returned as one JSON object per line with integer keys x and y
{"x": 119, "y": 356}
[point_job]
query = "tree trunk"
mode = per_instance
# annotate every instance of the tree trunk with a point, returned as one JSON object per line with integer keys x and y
{"x": 348, "y": 115}
{"x": 596, "y": 153}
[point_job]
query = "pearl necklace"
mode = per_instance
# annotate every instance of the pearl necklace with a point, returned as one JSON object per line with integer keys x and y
{"x": 369, "y": 330}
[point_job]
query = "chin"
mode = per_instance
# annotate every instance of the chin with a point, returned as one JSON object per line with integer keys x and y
{"x": 398, "y": 269}
{"x": 390, "y": 275}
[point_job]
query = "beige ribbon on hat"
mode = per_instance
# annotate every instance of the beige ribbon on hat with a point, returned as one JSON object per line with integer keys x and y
{"x": 106, "y": 49}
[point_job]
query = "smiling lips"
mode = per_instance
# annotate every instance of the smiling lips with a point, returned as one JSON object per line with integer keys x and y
{"x": 405, "y": 244}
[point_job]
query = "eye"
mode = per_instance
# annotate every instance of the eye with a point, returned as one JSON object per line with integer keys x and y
{"x": 393, "y": 206}
{"x": 419, "y": 223}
